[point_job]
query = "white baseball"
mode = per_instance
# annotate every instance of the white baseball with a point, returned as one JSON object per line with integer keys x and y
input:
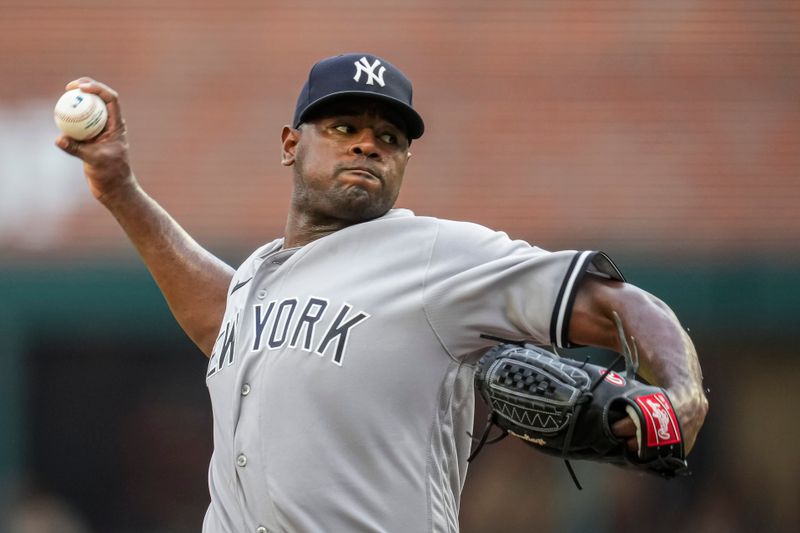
{"x": 80, "y": 115}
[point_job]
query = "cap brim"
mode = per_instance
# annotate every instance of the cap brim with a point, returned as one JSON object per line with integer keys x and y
{"x": 415, "y": 127}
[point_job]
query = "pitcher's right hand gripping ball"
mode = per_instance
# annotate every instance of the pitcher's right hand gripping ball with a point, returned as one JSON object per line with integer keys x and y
{"x": 566, "y": 408}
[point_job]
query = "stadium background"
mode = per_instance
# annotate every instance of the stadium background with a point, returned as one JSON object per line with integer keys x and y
{"x": 665, "y": 133}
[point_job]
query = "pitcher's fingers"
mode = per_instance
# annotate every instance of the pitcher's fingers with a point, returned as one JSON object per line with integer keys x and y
{"x": 74, "y": 83}
{"x": 110, "y": 97}
{"x": 624, "y": 428}
{"x": 101, "y": 89}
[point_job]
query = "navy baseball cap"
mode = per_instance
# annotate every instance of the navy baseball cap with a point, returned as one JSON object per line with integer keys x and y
{"x": 362, "y": 75}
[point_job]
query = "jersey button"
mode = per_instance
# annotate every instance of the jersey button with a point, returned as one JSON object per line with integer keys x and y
{"x": 245, "y": 389}
{"x": 241, "y": 460}
{"x": 262, "y": 294}
{"x": 261, "y": 529}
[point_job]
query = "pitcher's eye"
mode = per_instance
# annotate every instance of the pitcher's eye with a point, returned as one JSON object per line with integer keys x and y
{"x": 388, "y": 138}
{"x": 344, "y": 128}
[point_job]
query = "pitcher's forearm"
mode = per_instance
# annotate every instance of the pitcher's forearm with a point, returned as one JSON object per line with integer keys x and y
{"x": 667, "y": 355}
{"x": 193, "y": 281}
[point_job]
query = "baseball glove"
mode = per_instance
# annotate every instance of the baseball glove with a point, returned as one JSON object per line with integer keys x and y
{"x": 566, "y": 408}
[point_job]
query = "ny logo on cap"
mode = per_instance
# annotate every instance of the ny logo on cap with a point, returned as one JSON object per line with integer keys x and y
{"x": 362, "y": 65}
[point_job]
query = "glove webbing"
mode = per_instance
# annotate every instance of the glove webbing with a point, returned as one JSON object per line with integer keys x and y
{"x": 491, "y": 420}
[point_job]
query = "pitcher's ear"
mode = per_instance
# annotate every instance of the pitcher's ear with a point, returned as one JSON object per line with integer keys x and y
{"x": 289, "y": 139}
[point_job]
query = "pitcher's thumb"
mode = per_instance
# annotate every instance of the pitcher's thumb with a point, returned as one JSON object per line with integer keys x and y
{"x": 71, "y": 146}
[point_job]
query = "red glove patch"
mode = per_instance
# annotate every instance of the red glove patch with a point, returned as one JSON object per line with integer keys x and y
{"x": 662, "y": 425}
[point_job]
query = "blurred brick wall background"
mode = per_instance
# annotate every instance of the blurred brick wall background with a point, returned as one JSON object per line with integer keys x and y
{"x": 608, "y": 124}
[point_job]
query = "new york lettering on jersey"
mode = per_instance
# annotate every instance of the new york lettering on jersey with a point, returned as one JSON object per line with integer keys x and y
{"x": 277, "y": 324}
{"x": 312, "y": 324}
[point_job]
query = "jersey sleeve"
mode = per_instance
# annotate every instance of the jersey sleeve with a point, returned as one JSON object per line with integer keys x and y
{"x": 480, "y": 281}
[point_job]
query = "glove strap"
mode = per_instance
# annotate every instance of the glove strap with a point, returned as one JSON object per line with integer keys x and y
{"x": 631, "y": 356}
{"x": 483, "y": 440}
{"x": 572, "y": 473}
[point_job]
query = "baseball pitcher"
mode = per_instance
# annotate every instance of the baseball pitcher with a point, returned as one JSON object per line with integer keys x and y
{"x": 342, "y": 354}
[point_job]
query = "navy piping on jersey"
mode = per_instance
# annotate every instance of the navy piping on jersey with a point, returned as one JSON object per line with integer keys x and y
{"x": 562, "y": 311}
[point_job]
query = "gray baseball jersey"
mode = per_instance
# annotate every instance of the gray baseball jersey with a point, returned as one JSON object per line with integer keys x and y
{"x": 341, "y": 380}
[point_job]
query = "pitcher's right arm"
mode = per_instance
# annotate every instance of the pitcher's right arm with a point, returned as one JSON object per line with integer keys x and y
{"x": 193, "y": 281}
